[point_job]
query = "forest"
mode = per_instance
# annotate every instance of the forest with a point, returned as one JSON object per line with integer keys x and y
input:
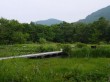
{"x": 14, "y": 32}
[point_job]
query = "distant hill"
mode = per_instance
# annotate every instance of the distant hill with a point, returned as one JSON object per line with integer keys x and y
{"x": 49, "y": 22}
{"x": 104, "y": 12}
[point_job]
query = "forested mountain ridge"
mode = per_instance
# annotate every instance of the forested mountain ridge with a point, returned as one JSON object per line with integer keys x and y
{"x": 104, "y": 12}
{"x": 49, "y": 22}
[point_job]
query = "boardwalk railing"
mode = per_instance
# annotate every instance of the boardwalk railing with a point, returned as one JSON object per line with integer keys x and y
{"x": 46, "y": 54}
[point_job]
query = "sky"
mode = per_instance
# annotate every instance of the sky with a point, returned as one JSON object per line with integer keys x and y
{"x": 26, "y": 11}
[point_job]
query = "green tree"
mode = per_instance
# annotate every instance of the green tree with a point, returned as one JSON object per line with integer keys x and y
{"x": 19, "y": 37}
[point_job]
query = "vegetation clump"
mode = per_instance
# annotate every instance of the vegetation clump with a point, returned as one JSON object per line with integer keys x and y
{"x": 66, "y": 50}
{"x": 42, "y": 41}
{"x": 80, "y": 45}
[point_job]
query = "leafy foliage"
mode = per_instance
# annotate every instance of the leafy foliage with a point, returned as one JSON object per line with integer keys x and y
{"x": 80, "y": 45}
{"x": 66, "y": 50}
{"x": 12, "y": 32}
{"x": 42, "y": 40}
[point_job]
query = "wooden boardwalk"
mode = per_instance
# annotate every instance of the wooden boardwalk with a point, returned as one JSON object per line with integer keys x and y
{"x": 38, "y": 55}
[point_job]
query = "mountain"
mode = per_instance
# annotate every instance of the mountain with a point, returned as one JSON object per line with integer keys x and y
{"x": 104, "y": 12}
{"x": 49, "y": 22}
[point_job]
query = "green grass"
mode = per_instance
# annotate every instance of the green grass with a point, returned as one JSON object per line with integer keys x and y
{"x": 23, "y": 49}
{"x": 85, "y": 51}
{"x": 100, "y": 51}
{"x": 77, "y": 50}
{"x": 82, "y": 68}
{"x": 55, "y": 70}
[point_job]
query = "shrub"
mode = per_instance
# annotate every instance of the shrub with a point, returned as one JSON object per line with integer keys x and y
{"x": 67, "y": 50}
{"x": 42, "y": 40}
{"x": 80, "y": 45}
{"x": 47, "y": 48}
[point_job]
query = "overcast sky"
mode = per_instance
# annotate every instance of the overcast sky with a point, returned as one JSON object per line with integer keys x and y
{"x": 33, "y": 10}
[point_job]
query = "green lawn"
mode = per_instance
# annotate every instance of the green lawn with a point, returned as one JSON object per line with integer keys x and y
{"x": 55, "y": 70}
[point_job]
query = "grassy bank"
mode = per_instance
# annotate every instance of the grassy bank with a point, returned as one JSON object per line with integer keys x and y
{"x": 55, "y": 70}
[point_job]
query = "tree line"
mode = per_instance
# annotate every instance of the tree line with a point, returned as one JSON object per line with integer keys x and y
{"x": 12, "y": 32}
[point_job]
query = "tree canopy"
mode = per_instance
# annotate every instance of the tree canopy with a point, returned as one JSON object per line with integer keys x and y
{"x": 11, "y": 32}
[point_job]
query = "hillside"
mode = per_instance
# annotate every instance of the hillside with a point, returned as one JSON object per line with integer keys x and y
{"x": 49, "y": 22}
{"x": 104, "y": 12}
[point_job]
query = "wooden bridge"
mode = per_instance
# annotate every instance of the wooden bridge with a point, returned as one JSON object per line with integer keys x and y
{"x": 38, "y": 55}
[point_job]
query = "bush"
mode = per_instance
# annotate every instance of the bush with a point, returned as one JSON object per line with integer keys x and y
{"x": 47, "y": 48}
{"x": 42, "y": 40}
{"x": 80, "y": 45}
{"x": 67, "y": 50}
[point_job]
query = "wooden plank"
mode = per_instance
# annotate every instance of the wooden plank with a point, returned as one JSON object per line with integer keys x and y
{"x": 32, "y": 55}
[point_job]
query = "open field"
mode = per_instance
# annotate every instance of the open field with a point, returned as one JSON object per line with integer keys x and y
{"x": 55, "y": 70}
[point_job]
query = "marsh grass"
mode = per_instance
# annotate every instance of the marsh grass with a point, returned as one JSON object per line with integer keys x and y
{"x": 23, "y": 49}
{"x": 55, "y": 70}
{"x": 82, "y": 64}
{"x": 69, "y": 50}
{"x": 88, "y": 52}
